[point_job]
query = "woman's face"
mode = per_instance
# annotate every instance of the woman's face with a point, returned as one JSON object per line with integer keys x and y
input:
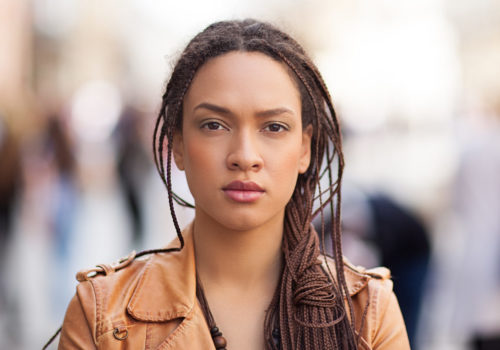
{"x": 242, "y": 144}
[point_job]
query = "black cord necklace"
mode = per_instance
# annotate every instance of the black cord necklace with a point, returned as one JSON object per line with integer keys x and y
{"x": 219, "y": 341}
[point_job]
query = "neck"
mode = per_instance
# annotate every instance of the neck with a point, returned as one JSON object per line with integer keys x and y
{"x": 238, "y": 259}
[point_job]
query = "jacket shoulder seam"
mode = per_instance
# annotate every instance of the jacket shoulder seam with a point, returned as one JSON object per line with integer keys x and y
{"x": 379, "y": 294}
{"x": 101, "y": 290}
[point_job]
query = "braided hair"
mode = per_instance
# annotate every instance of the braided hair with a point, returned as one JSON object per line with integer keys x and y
{"x": 309, "y": 305}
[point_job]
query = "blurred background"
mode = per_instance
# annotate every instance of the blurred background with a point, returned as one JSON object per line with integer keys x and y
{"x": 416, "y": 83}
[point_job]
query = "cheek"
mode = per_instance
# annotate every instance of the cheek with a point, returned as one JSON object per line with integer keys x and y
{"x": 291, "y": 155}
{"x": 195, "y": 155}
{"x": 284, "y": 167}
{"x": 200, "y": 162}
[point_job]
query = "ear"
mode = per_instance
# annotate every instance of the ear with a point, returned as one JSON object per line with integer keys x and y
{"x": 305, "y": 157}
{"x": 178, "y": 150}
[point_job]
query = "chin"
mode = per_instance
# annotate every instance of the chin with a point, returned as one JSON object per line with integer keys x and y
{"x": 238, "y": 217}
{"x": 237, "y": 223}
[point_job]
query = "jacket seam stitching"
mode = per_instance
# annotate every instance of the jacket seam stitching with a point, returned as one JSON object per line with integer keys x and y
{"x": 376, "y": 295}
{"x": 147, "y": 341}
{"x": 179, "y": 330}
{"x": 98, "y": 316}
{"x": 142, "y": 279}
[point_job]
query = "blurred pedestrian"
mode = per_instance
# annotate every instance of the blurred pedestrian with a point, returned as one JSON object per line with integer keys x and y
{"x": 476, "y": 203}
{"x": 10, "y": 188}
{"x": 133, "y": 164}
{"x": 10, "y": 179}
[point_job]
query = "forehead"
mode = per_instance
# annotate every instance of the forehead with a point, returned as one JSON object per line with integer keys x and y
{"x": 251, "y": 78}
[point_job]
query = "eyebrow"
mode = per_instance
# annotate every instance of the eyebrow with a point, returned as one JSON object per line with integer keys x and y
{"x": 266, "y": 113}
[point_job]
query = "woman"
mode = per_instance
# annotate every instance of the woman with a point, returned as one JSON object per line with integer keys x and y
{"x": 248, "y": 118}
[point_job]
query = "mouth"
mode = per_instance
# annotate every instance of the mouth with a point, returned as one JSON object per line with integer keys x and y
{"x": 243, "y": 191}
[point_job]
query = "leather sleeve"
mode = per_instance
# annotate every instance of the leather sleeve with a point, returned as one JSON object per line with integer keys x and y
{"x": 389, "y": 331}
{"x": 78, "y": 330}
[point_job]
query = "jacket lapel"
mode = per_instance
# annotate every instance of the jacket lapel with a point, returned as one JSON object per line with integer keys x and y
{"x": 355, "y": 278}
{"x": 167, "y": 288}
{"x": 167, "y": 291}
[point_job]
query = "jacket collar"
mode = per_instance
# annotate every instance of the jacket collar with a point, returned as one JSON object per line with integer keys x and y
{"x": 355, "y": 278}
{"x": 167, "y": 286}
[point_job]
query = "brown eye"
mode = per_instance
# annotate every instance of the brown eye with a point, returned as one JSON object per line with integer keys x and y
{"x": 275, "y": 127}
{"x": 212, "y": 126}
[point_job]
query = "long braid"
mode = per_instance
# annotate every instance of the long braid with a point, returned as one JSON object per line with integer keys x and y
{"x": 308, "y": 306}
{"x": 308, "y": 243}
{"x": 336, "y": 190}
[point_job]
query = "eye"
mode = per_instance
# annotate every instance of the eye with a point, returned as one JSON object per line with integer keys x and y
{"x": 275, "y": 127}
{"x": 211, "y": 125}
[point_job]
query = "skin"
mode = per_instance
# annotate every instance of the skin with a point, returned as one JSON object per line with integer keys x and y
{"x": 241, "y": 121}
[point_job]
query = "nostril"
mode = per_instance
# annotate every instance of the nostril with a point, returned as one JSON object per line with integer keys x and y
{"x": 244, "y": 160}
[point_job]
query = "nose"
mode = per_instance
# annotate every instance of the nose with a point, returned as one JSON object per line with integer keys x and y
{"x": 244, "y": 153}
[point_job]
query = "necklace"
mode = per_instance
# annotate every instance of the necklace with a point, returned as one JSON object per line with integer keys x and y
{"x": 219, "y": 341}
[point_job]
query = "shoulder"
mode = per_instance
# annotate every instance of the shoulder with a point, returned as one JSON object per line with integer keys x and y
{"x": 375, "y": 307}
{"x": 377, "y": 314}
{"x": 126, "y": 267}
{"x": 370, "y": 291}
{"x": 112, "y": 299}
{"x": 107, "y": 288}
{"x": 104, "y": 280}
{"x": 358, "y": 278}
{"x": 113, "y": 285}
{"x": 152, "y": 289}
{"x": 103, "y": 291}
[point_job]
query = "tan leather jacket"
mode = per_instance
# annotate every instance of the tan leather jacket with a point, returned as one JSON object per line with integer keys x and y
{"x": 151, "y": 304}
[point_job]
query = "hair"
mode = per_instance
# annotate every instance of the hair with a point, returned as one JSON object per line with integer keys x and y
{"x": 308, "y": 308}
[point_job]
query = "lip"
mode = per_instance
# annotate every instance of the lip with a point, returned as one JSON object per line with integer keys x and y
{"x": 243, "y": 191}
